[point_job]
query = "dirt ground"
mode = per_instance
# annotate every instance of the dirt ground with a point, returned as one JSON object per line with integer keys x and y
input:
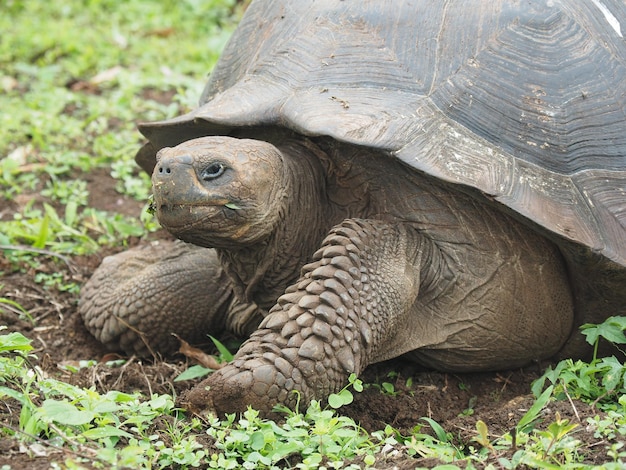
{"x": 457, "y": 402}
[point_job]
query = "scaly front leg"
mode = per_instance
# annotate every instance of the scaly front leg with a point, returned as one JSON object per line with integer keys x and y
{"x": 333, "y": 322}
{"x": 136, "y": 300}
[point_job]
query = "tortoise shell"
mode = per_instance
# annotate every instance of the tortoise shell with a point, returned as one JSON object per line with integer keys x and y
{"x": 523, "y": 101}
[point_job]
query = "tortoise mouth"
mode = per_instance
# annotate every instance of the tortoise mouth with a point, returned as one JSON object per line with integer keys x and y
{"x": 177, "y": 217}
{"x": 207, "y": 225}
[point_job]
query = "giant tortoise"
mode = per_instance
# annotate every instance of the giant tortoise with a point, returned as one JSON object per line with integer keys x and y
{"x": 363, "y": 180}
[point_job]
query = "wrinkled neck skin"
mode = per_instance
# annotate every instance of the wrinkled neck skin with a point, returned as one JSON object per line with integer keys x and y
{"x": 260, "y": 273}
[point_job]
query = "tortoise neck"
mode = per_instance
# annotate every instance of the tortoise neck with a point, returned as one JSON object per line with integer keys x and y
{"x": 261, "y": 273}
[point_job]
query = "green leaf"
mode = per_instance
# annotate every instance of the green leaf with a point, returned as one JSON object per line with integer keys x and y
{"x": 550, "y": 374}
{"x": 232, "y": 205}
{"x": 613, "y": 373}
{"x": 612, "y": 329}
{"x": 356, "y": 383}
{"x": 337, "y": 400}
{"x": 257, "y": 440}
{"x": 225, "y": 354}
{"x": 439, "y": 431}
{"x": 9, "y": 392}
{"x": 14, "y": 342}
{"x": 483, "y": 434}
{"x": 160, "y": 402}
{"x": 29, "y": 421}
{"x": 151, "y": 205}
{"x": 70, "y": 212}
{"x": 42, "y": 236}
{"x": 531, "y": 415}
{"x": 559, "y": 429}
{"x": 17, "y": 306}
{"x": 193, "y": 372}
{"x": 63, "y": 412}
{"x": 285, "y": 448}
{"x": 120, "y": 397}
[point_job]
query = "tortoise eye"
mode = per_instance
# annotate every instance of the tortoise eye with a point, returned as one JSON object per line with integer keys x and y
{"x": 214, "y": 170}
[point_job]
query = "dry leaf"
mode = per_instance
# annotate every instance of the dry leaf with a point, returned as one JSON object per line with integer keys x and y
{"x": 106, "y": 75}
{"x": 202, "y": 358}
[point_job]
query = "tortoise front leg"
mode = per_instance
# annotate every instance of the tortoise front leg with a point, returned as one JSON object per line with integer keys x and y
{"x": 136, "y": 300}
{"x": 347, "y": 304}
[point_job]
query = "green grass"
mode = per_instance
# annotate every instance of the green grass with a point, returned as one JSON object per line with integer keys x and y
{"x": 120, "y": 430}
{"x": 75, "y": 77}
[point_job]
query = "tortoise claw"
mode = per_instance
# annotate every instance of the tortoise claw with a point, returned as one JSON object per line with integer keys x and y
{"x": 232, "y": 390}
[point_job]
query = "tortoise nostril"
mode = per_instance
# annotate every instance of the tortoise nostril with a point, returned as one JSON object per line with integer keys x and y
{"x": 172, "y": 165}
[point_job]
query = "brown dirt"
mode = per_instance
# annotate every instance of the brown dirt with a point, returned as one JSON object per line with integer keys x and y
{"x": 457, "y": 402}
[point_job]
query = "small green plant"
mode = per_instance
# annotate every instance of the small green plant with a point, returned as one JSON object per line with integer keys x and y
{"x": 70, "y": 232}
{"x": 115, "y": 429}
{"x": 58, "y": 281}
{"x": 469, "y": 411}
{"x": 345, "y": 396}
{"x": 388, "y": 388}
{"x": 15, "y": 307}
{"x": 611, "y": 329}
{"x": 598, "y": 381}
{"x": 554, "y": 435}
{"x": 130, "y": 180}
{"x": 532, "y": 416}
{"x": 72, "y": 192}
{"x": 14, "y": 349}
{"x": 440, "y": 446}
{"x": 482, "y": 436}
{"x": 316, "y": 436}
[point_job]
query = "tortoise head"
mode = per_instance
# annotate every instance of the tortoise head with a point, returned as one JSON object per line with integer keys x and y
{"x": 219, "y": 192}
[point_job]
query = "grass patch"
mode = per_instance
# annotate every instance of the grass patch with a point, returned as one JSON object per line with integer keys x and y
{"x": 75, "y": 78}
{"x": 119, "y": 429}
